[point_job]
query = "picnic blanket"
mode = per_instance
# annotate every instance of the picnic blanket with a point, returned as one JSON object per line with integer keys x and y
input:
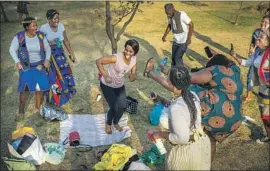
{"x": 92, "y": 130}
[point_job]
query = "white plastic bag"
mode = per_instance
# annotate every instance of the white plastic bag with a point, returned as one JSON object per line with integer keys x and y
{"x": 138, "y": 165}
{"x": 35, "y": 153}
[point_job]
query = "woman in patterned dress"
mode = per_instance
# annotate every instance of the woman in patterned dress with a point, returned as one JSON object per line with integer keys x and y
{"x": 260, "y": 61}
{"x": 219, "y": 88}
{"x": 60, "y": 73}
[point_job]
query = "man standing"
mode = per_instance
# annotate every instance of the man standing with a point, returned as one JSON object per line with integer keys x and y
{"x": 182, "y": 28}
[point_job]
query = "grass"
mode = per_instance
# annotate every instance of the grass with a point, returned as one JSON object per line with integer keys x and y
{"x": 85, "y": 25}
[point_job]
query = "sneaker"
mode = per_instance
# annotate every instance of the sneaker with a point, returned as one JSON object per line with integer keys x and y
{"x": 263, "y": 140}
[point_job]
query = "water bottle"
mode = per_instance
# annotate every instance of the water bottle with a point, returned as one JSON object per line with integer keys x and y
{"x": 160, "y": 146}
{"x": 163, "y": 61}
{"x": 58, "y": 43}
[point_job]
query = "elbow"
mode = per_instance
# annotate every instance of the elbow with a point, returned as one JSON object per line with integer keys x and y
{"x": 176, "y": 139}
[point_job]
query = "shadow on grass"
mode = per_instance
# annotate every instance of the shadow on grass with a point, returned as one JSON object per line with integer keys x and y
{"x": 150, "y": 49}
{"x": 210, "y": 41}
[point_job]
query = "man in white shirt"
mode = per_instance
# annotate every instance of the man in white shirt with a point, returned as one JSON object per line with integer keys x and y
{"x": 182, "y": 28}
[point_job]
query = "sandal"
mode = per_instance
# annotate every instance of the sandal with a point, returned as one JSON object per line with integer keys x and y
{"x": 146, "y": 67}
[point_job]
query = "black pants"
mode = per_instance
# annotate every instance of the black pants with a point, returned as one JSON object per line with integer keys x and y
{"x": 178, "y": 51}
{"x": 116, "y": 98}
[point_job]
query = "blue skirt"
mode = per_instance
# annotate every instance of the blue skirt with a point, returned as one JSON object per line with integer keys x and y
{"x": 33, "y": 79}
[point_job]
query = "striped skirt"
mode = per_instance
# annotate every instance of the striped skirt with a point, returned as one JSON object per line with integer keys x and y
{"x": 192, "y": 156}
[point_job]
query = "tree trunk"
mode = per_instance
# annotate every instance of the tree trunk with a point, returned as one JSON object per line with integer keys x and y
{"x": 3, "y": 12}
{"x": 109, "y": 28}
{"x": 114, "y": 46}
{"x": 238, "y": 14}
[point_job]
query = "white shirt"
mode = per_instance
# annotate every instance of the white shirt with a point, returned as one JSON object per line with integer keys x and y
{"x": 33, "y": 47}
{"x": 256, "y": 63}
{"x": 52, "y": 35}
{"x": 181, "y": 37}
{"x": 179, "y": 120}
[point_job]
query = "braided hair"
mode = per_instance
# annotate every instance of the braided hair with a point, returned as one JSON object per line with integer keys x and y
{"x": 180, "y": 78}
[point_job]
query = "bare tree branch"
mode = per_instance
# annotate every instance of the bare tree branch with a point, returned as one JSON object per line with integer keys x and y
{"x": 127, "y": 22}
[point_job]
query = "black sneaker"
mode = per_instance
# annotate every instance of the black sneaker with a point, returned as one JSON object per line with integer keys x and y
{"x": 263, "y": 140}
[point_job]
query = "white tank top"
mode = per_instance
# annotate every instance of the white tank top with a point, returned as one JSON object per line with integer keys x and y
{"x": 117, "y": 70}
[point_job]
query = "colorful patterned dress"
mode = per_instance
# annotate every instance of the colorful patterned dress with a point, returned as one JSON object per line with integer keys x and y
{"x": 221, "y": 102}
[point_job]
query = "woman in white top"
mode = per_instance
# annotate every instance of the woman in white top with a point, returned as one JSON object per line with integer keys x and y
{"x": 191, "y": 146}
{"x": 60, "y": 73}
{"x": 31, "y": 53}
{"x": 264, "y": 89}
{"x": 112, "y": 81}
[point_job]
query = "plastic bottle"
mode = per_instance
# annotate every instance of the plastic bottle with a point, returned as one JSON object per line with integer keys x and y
{"x": 163, "y": 61}
{"x": 58, "y": 43}
{"x": 159, "y": 144}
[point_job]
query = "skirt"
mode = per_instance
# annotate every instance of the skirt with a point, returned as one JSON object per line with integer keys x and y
{"x": 196, "y": 155}
{"x": 22, "y": 7}
{"x": 33, "y": 79}
{"x": 62, "y": 82}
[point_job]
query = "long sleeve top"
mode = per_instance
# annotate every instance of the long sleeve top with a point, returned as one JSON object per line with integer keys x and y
{"x": 179, "y": 120}
{"x": 254, "y": 59}
{"x": 33, "y": 47}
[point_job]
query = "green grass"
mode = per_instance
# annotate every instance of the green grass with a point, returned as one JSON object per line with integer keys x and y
{"x": 85, "y": 25}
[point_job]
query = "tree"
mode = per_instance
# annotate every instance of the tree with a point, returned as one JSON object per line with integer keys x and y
{"x": 125, "y": 9}
{"x": 237, "y": 16}
{"x": 3, "y": 12}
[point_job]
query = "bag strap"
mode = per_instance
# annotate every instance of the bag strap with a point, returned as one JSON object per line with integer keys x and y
{"x": 66, "y": 141}
{"x": 84, "y": 145}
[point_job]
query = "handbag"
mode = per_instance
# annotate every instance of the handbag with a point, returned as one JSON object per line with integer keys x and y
{"x": 131, "y": 105}
{"x": 73, "y": 139}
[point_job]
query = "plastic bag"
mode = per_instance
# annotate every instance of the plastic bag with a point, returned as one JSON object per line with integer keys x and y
{"x": 50, "y": 113}
{"x": 153, "y": 157}
{"x": 55, "y": 153}
{"x": 154, "y": 115}
{"x": 18, "y": 164}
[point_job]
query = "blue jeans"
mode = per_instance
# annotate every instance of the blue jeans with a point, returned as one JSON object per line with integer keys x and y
{"x": 178, "y": 51}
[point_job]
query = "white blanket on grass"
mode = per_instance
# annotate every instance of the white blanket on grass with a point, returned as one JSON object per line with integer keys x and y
{"x": 92, "y": 130}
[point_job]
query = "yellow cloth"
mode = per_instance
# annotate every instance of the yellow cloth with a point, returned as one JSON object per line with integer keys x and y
{"x": 114, "y": 158}
{"x": 19, "y": 133}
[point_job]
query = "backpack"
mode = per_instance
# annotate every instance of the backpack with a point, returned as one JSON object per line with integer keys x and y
{"x": 17, "y": 164}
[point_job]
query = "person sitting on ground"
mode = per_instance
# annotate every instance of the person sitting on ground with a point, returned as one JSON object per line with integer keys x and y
{"x": 191, "y": 146}
{"x": 219, "y": 88}
{"x": 31, "y": 52}
{"x": 260, "y": 60}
